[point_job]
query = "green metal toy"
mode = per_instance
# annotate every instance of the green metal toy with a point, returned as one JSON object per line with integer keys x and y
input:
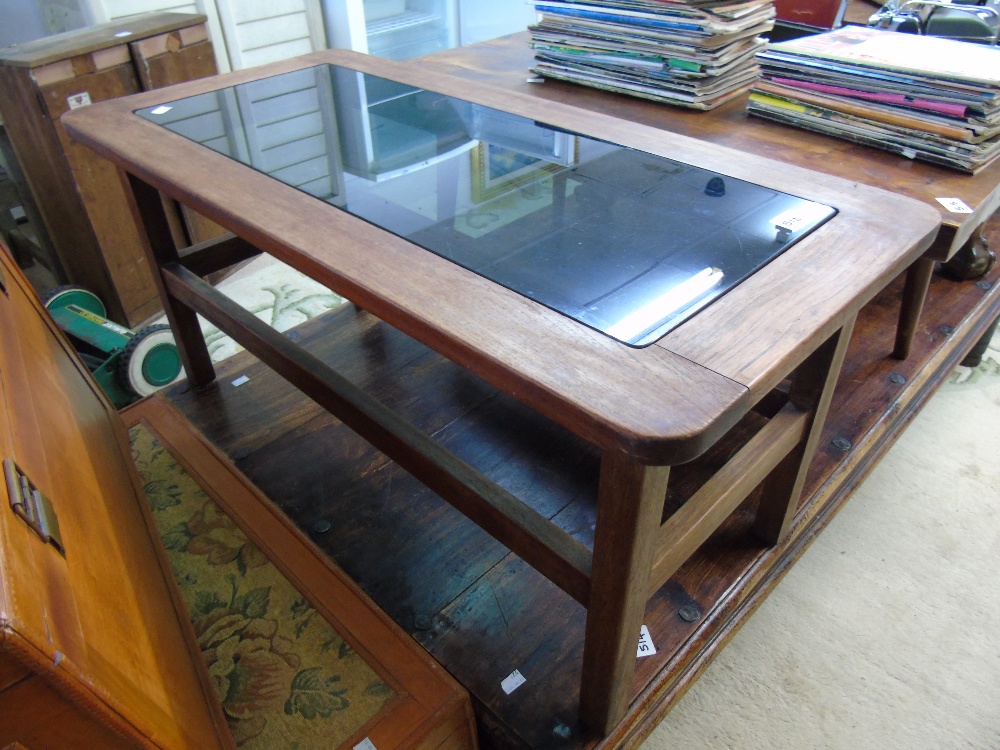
{"x": 126, "y": 364}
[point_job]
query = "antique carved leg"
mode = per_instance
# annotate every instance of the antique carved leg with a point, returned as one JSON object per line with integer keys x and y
{"x": 813, "y": 383}
{"x": 160, "y": 248}
{"x": 973, "y": 259}
{"x": 629, "y": 507}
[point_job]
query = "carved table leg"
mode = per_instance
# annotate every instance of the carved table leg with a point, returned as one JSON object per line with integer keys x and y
{"x": 974, "y": 258}
{"x": 813, "y": 383}
{"x": 160, "y": 249}
{"x": 630, "y": 504}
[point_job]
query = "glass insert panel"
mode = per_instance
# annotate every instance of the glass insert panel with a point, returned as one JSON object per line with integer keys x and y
{"x": 623, "y": 241}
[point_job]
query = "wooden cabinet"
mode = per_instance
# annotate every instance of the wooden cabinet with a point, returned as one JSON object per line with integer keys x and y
{"x": 78, "y": 194}
{"x": 92, "y": 649}
{"x": 243, "y": 33}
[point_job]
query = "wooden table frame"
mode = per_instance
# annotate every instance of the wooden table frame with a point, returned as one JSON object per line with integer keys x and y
{"x": 757, "y": 348}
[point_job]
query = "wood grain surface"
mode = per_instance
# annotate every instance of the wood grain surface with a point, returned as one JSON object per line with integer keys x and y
{"x": 95, "y": 38}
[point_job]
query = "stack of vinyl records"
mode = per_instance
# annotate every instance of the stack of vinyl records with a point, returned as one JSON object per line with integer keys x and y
{"x": 926, "y": 98}
{"x": 692, "y": 53}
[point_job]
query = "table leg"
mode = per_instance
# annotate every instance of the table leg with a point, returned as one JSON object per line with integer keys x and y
{"x": 629, "y": 510}
{"x": 918, "y": 280}
{"x": 160, "y": 248}
{"x": 975, "y": 356}
{"x": 813, "y": 383}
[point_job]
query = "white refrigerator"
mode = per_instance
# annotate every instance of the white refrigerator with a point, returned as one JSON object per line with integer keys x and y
{"x": 402, "y": 29}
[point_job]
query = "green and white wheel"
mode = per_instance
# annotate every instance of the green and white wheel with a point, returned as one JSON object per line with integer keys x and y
{"x": 63, "y": 296}
{"x": 150, "y": 360}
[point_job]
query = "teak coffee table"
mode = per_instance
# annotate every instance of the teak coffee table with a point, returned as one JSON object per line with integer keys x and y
{"x": 771, "y": 347}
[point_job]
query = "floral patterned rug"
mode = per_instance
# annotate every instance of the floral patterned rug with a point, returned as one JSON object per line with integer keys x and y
{"x": 285, "y": 678}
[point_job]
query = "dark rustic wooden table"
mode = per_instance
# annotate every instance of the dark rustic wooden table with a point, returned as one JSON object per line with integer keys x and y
{"x": 770, "y": 349}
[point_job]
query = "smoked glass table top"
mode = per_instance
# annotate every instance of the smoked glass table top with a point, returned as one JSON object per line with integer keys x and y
{"x": 626, "y": 242}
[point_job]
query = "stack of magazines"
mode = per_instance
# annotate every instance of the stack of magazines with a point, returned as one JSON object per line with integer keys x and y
{"x": 693, "y": 53}
{"x": 927, "y": 98}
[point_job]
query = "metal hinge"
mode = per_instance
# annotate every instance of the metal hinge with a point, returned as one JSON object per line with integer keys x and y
{"x": 27, "y": 501}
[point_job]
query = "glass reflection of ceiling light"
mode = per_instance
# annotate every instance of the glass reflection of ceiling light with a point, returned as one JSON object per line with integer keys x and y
{"x": 682, "y": 295}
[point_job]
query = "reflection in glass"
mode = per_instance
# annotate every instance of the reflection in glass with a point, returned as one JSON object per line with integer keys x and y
{"x": 625, "y": 242}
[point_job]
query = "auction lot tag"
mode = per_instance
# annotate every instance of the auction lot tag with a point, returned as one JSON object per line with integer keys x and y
{"x": 646, "y": 647}
{"x": 955, "y": 205}
{"x": 75, "y": 101}
{"x": 512, "y": 682}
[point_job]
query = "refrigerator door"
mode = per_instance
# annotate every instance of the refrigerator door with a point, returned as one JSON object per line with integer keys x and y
{"x": 480, "y": 20}
{"x": 403, "y": 29}
{"x": 395, "y": 29}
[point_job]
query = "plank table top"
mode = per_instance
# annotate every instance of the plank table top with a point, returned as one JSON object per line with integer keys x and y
{"x": 662, "y": 404}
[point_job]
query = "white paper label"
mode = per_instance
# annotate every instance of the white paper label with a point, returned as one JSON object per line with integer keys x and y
{"x": 955, "y": 205}
{"x": 512, "y": 682}
{"x": 240, "y": 381}
{"x": 788, "y": 220}
{"x": 120, "y": 330}
{"x": 795, "y": 218}
{"x": 646, "y": 647}
{"x": 161, "y": 110}
{"x": 75, "y": 101}
{"x": 365, "y": 744}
